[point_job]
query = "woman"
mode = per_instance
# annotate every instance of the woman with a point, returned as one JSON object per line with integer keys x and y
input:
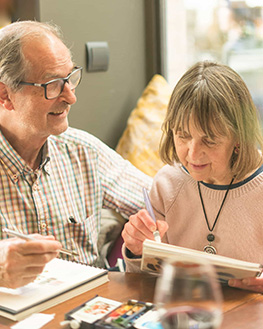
{"x": 209, "y": 196}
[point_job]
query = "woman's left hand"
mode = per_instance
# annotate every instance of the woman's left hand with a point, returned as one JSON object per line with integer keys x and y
{"x": 252, "y": 284}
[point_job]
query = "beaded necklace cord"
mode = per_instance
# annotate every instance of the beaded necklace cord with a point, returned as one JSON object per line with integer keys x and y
{"x": 210, "y": 237}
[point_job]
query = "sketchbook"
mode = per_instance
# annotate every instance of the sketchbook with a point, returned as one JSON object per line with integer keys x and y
{"x": 226, "y": 268}
{"x": 60, "y": 281}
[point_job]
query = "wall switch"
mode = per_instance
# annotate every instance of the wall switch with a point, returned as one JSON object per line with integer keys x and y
{"x": 97, "y": 56}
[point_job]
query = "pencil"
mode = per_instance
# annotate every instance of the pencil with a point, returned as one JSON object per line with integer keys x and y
{"x": 31, "y": 238}
{"x": 149, "y": 208}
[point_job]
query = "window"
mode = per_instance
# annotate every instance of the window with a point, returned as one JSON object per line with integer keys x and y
{"x": 227, "y": 31}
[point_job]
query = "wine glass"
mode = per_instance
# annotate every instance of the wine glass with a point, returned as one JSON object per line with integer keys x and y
{"x": 188, "y": 296}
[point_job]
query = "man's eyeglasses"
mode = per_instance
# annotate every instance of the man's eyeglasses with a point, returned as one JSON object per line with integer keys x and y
{"x": 54, "y": 88}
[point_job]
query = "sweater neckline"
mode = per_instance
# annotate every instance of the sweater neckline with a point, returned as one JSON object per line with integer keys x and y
{"x": 236, "y": 185}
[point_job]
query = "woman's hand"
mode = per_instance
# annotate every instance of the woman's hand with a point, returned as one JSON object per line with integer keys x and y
{"x": 252, "y": 284}
{"x": 140, "y": 227}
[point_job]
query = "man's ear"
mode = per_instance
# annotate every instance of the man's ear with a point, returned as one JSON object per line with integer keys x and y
{"x": 4, "y": 97}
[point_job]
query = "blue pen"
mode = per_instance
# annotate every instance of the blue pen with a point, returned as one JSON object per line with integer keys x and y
{"x": 149, "y": 208}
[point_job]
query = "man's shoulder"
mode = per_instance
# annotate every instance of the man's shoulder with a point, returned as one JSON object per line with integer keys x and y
{"x": 76, "y": 138}
{"x": 81, "y": 143}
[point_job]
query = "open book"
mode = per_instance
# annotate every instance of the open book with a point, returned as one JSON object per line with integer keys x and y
{"x": 226, "y": 268}
{"x": 60, "y": 281}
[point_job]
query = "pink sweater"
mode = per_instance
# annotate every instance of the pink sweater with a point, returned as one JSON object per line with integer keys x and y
{"x": 239, "y": 229}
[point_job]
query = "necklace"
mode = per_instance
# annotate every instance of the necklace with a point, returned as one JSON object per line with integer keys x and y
{"x": 210, "y": 237}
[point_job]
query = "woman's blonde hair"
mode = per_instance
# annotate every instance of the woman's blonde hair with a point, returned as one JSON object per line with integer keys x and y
{"x": 218, "y": 101}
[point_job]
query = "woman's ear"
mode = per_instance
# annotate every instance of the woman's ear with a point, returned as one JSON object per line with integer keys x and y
{"x": 237, "y": 148}
{"x": 4, "y": 97}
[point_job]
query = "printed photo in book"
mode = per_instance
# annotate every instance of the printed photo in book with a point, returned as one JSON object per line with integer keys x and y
{"x": 154, "y": 253}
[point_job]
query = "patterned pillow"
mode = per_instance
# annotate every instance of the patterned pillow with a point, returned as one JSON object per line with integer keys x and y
{"x": 140, "y": 141}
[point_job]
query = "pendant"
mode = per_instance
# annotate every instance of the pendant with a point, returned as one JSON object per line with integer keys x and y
{"x": 209, "y": 248}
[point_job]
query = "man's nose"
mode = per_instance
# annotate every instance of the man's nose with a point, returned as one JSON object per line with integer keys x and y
{"x": 68, "y": 94}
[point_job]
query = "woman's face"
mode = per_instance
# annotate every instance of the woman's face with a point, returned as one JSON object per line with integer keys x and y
{"x": 205, "y": 159}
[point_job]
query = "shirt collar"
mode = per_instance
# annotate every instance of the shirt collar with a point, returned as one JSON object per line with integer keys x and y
{"x": 14, "y": 165}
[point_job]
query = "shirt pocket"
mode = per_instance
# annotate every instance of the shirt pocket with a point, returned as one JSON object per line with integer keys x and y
{"x": 82, "y": 236}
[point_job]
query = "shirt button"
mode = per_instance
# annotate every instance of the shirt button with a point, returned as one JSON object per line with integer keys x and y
{"x": 43, "y": 225}
{"x": 15, "y": 178}
{"x": 35, "y": 187}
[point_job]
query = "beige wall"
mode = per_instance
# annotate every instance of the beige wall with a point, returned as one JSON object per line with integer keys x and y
{"x": 105, "y": 99}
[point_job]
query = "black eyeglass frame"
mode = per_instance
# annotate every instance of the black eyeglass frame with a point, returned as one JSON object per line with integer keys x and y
{"x": 44, "y": 85}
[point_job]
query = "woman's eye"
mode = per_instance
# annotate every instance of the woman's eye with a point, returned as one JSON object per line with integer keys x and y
{"x": 210, "y": 142}
{"x": 183, "y": 136}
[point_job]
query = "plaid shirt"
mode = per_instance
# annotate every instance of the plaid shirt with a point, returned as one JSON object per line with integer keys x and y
{"x": 78, "y": 176}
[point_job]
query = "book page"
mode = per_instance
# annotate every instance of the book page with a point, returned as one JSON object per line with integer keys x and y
{"x": 154, "y": 253}
{"x": 58, "y": 277}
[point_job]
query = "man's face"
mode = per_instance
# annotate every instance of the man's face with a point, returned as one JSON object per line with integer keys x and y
{"x": 34, "y": 115}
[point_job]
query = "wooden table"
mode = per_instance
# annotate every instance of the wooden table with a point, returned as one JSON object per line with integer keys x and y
{"x": 242, "y": 309}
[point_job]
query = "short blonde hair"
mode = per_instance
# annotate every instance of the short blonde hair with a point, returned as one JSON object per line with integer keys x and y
{"x": 219, "y": 102}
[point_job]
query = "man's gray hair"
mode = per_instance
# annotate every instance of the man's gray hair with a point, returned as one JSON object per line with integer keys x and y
{"x": 13, "y": 65}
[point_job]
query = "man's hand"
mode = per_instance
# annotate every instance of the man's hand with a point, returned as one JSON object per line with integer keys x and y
{"x": 21, "y": 261}
{"x": 140, "y": 227}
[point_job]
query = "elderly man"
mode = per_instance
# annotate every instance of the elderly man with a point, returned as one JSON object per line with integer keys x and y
{"x": 54, "y": 179}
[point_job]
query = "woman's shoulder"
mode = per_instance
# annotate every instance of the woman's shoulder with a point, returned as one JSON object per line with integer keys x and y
{"x": 172, "y": 173}
{"x": 169, "y": 181}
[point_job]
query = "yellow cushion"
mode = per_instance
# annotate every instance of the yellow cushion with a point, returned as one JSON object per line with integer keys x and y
{"x": 140, "y": 141}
